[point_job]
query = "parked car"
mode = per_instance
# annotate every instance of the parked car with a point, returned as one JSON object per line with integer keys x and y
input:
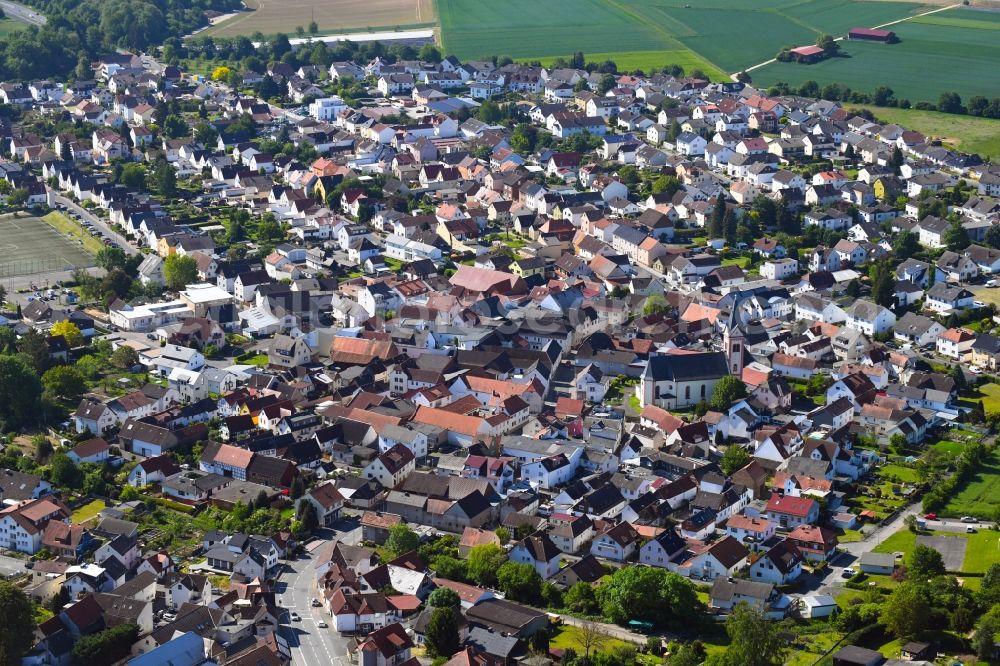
{"x": 930, "y": 516}
{"x": 969, "y": 519}
{"x": 849, "y": 573}
{"x": 322, "y": 625}
{"x": 295, "y": 617}
{"x": 970, "y": 529}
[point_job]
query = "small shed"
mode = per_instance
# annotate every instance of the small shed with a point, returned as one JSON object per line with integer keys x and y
{"x": 878, "y": 563}
{"x": 917, "y": 651}
{"x": 818, "y": 605}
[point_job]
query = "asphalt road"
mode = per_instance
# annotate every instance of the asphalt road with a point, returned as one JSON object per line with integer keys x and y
{"x": 23, "y": 13}
{"x": 296, "y": 588}
{"x": 101, "y": 224}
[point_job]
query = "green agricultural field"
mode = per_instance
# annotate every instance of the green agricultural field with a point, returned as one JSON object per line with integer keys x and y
{"x": 734, "y": 35}
{"x": 966, "y": 133}
{"x": 647, "y": 61}
{"x": 715, "y": 35}
{"x": 980, "y": 496}
{"x": 531, "y": 29}
{"x": 932, "y": 57}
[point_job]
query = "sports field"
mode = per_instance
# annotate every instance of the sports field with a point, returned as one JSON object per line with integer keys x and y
{"x": 332, "y": 16}
{"x": 955, "y": 50}
{"x": 715, "y": 35}
{"x": 30, "y": 245}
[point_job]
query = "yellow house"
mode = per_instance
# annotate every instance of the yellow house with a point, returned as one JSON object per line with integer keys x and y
{"x": 886, "y": 188}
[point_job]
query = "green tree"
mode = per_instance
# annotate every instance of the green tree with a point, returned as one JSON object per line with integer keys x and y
{"x": 950, "y": 102}
{"x": 993, "y": 236}
{"x": 179, "y": 271}
{"x": 924, "y": 562}
{"x": 111, "y": 257}
{"x": 906, "y": 612}
{"x": 606, "y": 83}
{"x": 728, "y": 390}
{"x": 297, "y": 489}
{"x": 17, "y": 617}
{"x": 655, "y": 304}
{"x": 828, "y": 44}
{"x": 443, "y": 597}
{"x": 307, "y": 517}
{"x": 18, "y": 197}
{"x": 401, "y": 540}
{"x": 313, "y": 28}
{"x": 174, "y": 127}
{"x": 451, "y": 568}
{"x": 429, "y": 53}
{"x": 519, "y": 581}
{"x": 63, "y": 472}
{"x": 105, "y": 647}
{"x": 883, "y": 284}
{"x": 716, "y": 226}
{"x": 133, "y": 175}
{"x": 442, "y": 638}
{"x": 735, "y": 458}
{"x": 665, "y": 184}
{"x": 64, "y": 381}
{"x": 956, "y": 237}
{"x": 648, "y": 594}
{"x": 989, "y": 588}
{"x": 483, "y": 563}
{"x": 124, "y": 357}
{"x": 753, "y": 639}
{"x": 906, "y": 244}
{"x": 853, "y": 289}
{"x": 489, "y": 112}
{"x": 984, "y": 640}
{"x": 581, "y": 598}
{"x": 165, "y": 179}
{"x": 56, "y": 602}
{"x": 503, "y": 534}
{"x": 689, "y": 654}
{"x": 20, "y": 390}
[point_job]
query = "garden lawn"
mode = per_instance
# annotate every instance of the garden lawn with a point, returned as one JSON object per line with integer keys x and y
{"x": 88, "y": 511}
{"x": 990, "y": 395}
{"x": 570, "y": 637}
{"x": 969, "y": 134}
{"x": 932, "y": 57}
{"x": 980, "y": 496}
{"x": 949, "y": 447}
{"x": 982, "y": 550}
{"x": 903, "y": 474}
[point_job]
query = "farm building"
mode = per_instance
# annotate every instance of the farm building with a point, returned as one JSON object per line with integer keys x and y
{"x": 807, "y": 53}
{"x": 872, "y": 35}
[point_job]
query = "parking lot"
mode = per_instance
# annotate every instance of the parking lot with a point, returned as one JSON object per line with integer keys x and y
{"x": 952, "y": 549}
